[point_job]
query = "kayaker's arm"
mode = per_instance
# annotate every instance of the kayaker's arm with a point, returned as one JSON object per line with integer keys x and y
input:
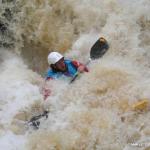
{"x": 79, "y": 66}
{"x": 46, "y": 92}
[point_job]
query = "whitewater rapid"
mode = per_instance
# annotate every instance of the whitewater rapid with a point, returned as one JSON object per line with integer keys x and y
{"x": 93, "y": 113}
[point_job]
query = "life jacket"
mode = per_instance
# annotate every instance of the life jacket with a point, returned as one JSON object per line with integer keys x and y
{"x": 71, "y": 71}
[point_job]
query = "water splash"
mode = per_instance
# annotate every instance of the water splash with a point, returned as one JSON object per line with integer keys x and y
{"x": 96, "y": 111}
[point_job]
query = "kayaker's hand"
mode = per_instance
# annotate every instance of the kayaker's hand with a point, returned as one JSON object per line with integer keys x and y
{"x": 46, "y": 93}
{"x": 81, "y": 69}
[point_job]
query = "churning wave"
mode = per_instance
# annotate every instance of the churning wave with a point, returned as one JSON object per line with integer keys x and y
{"x": 94, "y": 113}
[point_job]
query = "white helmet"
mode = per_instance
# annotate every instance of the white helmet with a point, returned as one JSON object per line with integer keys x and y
{"x": 54, "y": 57}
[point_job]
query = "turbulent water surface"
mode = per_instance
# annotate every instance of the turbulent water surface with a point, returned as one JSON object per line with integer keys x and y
{"x": 93, "y": 113}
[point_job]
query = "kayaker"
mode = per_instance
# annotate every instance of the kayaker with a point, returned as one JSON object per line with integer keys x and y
{"x": 61, "y": 68}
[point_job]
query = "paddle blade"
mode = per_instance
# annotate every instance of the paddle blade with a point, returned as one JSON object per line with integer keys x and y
{"x": 99, "y": 48}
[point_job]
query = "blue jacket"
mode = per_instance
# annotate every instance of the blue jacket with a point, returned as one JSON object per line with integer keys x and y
{"x": 71, "y": 72}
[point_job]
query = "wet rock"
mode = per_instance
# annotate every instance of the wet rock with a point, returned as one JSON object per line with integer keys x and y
{"x": 7, "y": 14}
{"x": 3, "y": 27}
